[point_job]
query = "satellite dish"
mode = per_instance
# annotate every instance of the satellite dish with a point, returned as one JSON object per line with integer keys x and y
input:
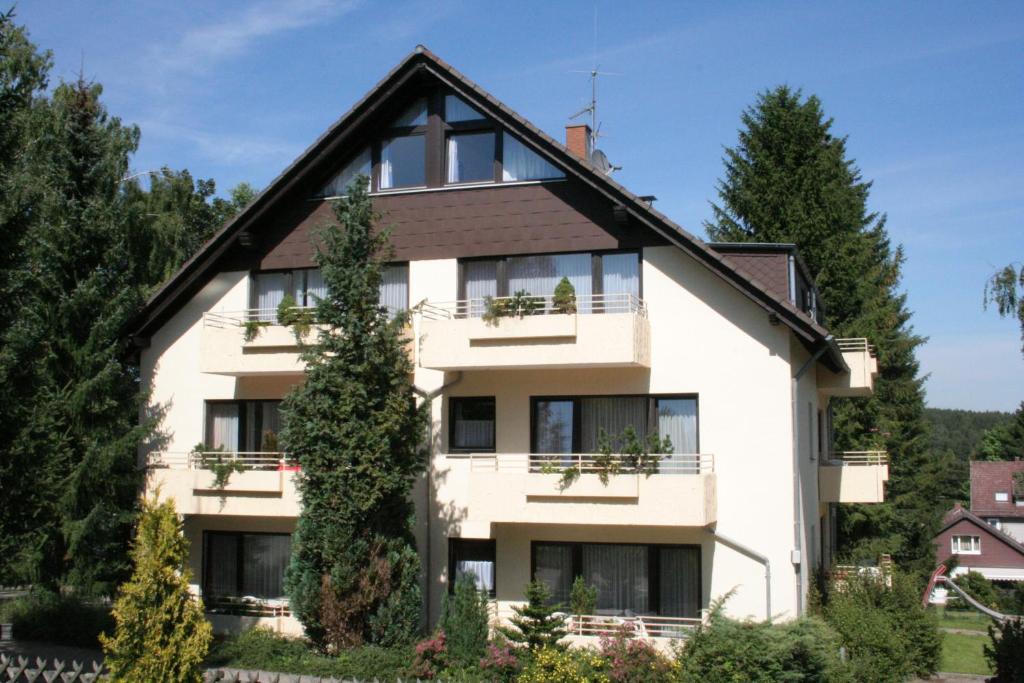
{"x": 600, "y": 159}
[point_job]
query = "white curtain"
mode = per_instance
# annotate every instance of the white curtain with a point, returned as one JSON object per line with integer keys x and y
{"x": 264, "y": 560}
{"x": 553, "y": 424}
{"x": 539, "y": 275}
{"x": 223, "y": 426}
{"x": 455, "y": 109}
{"x": 553, "y": 566}
{"x": 270, "y": 288}
{"x": 613, "y": 414}
{"x": 387, "y": 165}
{"x": 360, "y": 164}
{"x": 680, "y": 582}
{"x": 481, "y": 280}
{"x": 474, "y": 434}
{"x": 520, "y": 163}
{"x": 453, "y": 159}
{"x": 315, "y": 287}
{"x": 677, "y": 420}
{"x": 620, "y": 275}
{"x": 482, "y": 571}
{"x": 394, "y": 288}
{"x": 619, "y": 572}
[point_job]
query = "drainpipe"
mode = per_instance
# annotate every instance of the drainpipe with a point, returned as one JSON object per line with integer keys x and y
{"x": 428, "y": 398}
{"x": 798, "y": 507}
{"x": 763, "y": 559}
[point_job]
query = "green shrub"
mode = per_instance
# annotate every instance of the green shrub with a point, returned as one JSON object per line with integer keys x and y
{"x": 980, "y": 588}
{"x": 535, "y": 624}
{"x": 738, "y": 651}
{"x": 625, "y": 659}
{"x": 582, "y": 598}
{"x": 63, "y": 619}
{"x": 564, "y": 300}
{"x": 465, "y": 621}
{"x": 1006, "y": 652}
{"x": 550, "y": 664}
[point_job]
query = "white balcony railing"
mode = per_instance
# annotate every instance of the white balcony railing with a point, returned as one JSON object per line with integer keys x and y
{"x": 637, "y": 626}
{"x": 203, "y": 460}
{"x": 537, "y": 305}
{"x": 586, "y": 463}
{"x": 859, "y": 458}
{"x": 855, "y": 344}
{"x": 247, "y": 606}
{"x": 228, "y": 319}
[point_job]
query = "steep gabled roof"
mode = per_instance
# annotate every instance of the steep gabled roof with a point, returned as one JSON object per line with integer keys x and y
{"x": 961, "y": 514}
{"x": 989, "y": 478}
{"x": 202, "y": 266}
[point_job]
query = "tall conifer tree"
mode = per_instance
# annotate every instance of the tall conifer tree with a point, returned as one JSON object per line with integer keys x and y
{"x": 358, "y": 434}
{"x": 789, "y": 180}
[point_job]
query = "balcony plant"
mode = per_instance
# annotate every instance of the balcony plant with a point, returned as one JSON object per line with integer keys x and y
{"x": 520, "y": 304}
{"x": 253, "y": 328}
{"x": 564, "y": 299}
{"x": 290, "y": 314}
{"x": 625, "y": 454}
{"x": 213, "y": 459}
{"x": 582, "y": 597}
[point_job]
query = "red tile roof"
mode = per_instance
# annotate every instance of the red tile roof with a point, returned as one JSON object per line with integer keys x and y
{"x": 990, "y": 478}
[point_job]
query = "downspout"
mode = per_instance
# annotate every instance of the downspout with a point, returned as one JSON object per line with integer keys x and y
{"x": 428, "y": 398}
{"x": 798, "y": 507}
{"x": 763, "y": 559}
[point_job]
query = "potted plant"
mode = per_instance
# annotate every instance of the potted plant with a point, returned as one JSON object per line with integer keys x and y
{"x": 564, "y": 300}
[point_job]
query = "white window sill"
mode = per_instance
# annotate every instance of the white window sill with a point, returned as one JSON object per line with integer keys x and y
{"x": 967, "y": 552}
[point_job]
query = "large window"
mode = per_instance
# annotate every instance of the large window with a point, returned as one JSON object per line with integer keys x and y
{"x": 403, "y": 154}
{"x": 631, "y": 579}
{"x": 245, "y": 565}
{"x": 574, "y": 424}
{"x": 470, "y": 157}
{"x": 520, "y": 163}
{"x": 306, "y": 286}
{"x": 243, "y": 426}
{"x": 471, "y": 423}
{"x": 966, "y": 545}
{"x": 476, "y": 557}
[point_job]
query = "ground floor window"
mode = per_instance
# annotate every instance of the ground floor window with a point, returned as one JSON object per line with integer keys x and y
{"x": 471, "y": 556}
{"x": 237, "y": 565}
{"x": 631, "y": 579}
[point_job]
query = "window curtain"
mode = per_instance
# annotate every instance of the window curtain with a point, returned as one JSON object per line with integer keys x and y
{"x": 394, "y": 288}
{"x": 613, "y": 414}
{"x": 520, "y": 163}
{"x": 221, "y": 565}
{"x": 338, "y": 187}
{"x": 223, "y": 419}
{"x": 482, "y": 570}
{"x": 677, "y": 420}
{"x": 481, "y": 280}
{"x": 455, "y": 109}
{"x": 270, "y": 288}
{"x": 264, "y": 560}
{"x": 453, "y": 159}
{"x": 474, "y": 433}
{"x": 539, "y": 275}
{"x": 387, "y": 166}
{"x": 316, "y": 289}
{"x": 679, "y": 582}
{"x": 553, "y": 424}
{"x": 553, "y": 566}
{"x": 619, "y": 572}
{"x": 620, "y": 275}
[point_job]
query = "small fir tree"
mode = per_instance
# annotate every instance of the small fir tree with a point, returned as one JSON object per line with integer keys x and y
{"x": 582, "y": 597}
{"x": 564, "y": 299}
{"x": 536, "y": 624}
{"x": 357, "y": 433}
{"x": 161, "y": 634}
{"x": 465, "y": 621}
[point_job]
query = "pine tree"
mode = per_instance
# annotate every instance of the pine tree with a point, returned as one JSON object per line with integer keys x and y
{"x": 357, "y": 432}
{"x": 465, "y": 621}
{"x": 789, "y": 180}
{"x": 161, "y": 633}
{"x": 535, "y": 624}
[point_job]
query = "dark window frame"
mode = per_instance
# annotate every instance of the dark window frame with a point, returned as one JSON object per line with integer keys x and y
{"x": 239, "y": 557}
{"x": 577, "y": 436}
{"x": 488, "y": 543}
{"x": 243, "y": 419}
{"x": 653, "y": 564}
{"x": 290, "y": 274}
{"x": 452, "y": 402}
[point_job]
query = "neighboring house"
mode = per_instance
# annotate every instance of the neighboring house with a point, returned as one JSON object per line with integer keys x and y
{"x": 718, "y": 347}
{"x": 972, "y": 544}
{"x": 997, "y": 495}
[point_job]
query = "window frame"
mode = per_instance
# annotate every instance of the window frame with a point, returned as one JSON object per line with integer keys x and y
{"x": 239, "y": 557}
{"x": 653, "y": 564}
{"x": 243, "y": 419}
{"x": 290, "y": 275}
{"x": 577, "y": 416}
{"x": 956, "y": 544}
{"x": 488, "y": 543}
{"x": 452, "y": 402}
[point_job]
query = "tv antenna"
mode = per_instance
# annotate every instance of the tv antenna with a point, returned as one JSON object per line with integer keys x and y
{"x": 597, "y": 157}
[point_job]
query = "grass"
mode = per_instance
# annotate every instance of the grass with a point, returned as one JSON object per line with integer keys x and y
{"x": 962, "y": 653}
{"x": 968, "y": 620}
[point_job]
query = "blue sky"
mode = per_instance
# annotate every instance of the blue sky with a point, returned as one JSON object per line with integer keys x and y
{"x": 931, "y": 95}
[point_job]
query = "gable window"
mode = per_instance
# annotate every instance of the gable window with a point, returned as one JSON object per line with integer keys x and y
{"x": 521, "y": 163}
{"x": 471, "y": 424}
{"x": 473, "y": 557}
{"x": 251, "y": 564}
{"x": 470, "y": 157}
{"x": 966, "y": 545}
{"x": 403, "y": 154}
{"x": 338, "y": 186}
{"x": 457, "y": 111}
{"x": 243, "y": 426}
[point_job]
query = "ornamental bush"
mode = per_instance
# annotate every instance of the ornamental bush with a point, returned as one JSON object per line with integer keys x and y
{"x": 1006, "y": 651}
{"x": 535, "y": 624}
{"x": 548, "y": 664}
{"x": 626, "y": 659}
{"x": 465, "y": 621}
{"x": 57, "y": 618}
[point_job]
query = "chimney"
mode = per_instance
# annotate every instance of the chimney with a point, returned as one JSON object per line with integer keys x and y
{"x": 577, "y": 139}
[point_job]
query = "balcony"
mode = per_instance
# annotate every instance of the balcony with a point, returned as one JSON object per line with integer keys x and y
{"x": 262, "y": 485}
{"x": 853, "y": 477}
{"x": 679, "y": 490}
{"x": 863, "y": 362}
{"x": 606, "y": 330}
{"x": 249, "y": 342}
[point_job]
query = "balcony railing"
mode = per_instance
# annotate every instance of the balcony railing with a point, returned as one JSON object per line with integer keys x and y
{"x": 247, "y": 606}
{"x": 535, "y": 305}
{"x": 638, "y": 626}
{"x": 264, "y": 461}
{"x": 587, "y": 463}
{"x": 228, "y": 319}
{"x": 859, "y": 458}
{"x": 855, "y": 344}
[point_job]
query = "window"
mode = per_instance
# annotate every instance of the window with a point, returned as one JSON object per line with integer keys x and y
{"x": 1002, "y": 497}
{"x": 394, "y": 288}
{"x": 243, "y": 426}
{"x": 415, "y": 115}
{"x": 474, "y": 557}
{"x": 631, "y": 579}
{"x": 403, "y": 162}
{"x": 457, "y": 111}
{"x": 574, "y": 425}
{"x": 360, "y": 165}
{"x": 472, "y": 424}
{"x": 306, "y": 285}
{"x": 520, "y": 163}
{"x": 966, "y": 545}
{"x": 245, "y": 565}
{"x": 995, "y": 522}
{"x": 470, "y": 157}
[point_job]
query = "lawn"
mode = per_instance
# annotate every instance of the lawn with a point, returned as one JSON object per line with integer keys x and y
{"x": 968, "y": 620}
{"x": 962, "y": 653}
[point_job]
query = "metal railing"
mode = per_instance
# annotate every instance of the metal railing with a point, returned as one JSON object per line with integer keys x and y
{"x": 647, "y": 626}
{"x": 855, "y": 344}
{"x": 266, "y": 461}
{"x": 225, "y": 319}
{"x": 587, "y": 463}
{"x": 859, "y": 458}
{"x": 535, "y": 305}
{"x": 247, "y": 606}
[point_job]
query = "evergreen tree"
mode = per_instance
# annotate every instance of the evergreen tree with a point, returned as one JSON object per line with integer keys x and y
{"x": 535, "y": 624}
{"x": 789, "y": 180}
{"x": 161, "y": 633}
{"x": 465, "y": 622}
{"x": 357, "y": 432}
{"x": 1004, "y": 441}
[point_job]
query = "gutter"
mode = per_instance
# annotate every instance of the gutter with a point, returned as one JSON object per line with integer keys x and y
{"x": 753, "y": 554}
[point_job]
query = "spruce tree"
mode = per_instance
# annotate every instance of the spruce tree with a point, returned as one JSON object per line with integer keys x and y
{"x": 161, "y": 634}
{"x": 789, "y": 180}
{"x": 358, "y": 434}
{"x": 536, "y": 624}
{"x": 465, "y": 621}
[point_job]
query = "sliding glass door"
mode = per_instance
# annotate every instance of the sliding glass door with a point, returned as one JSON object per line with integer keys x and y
{"x": 243, "y": 426}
